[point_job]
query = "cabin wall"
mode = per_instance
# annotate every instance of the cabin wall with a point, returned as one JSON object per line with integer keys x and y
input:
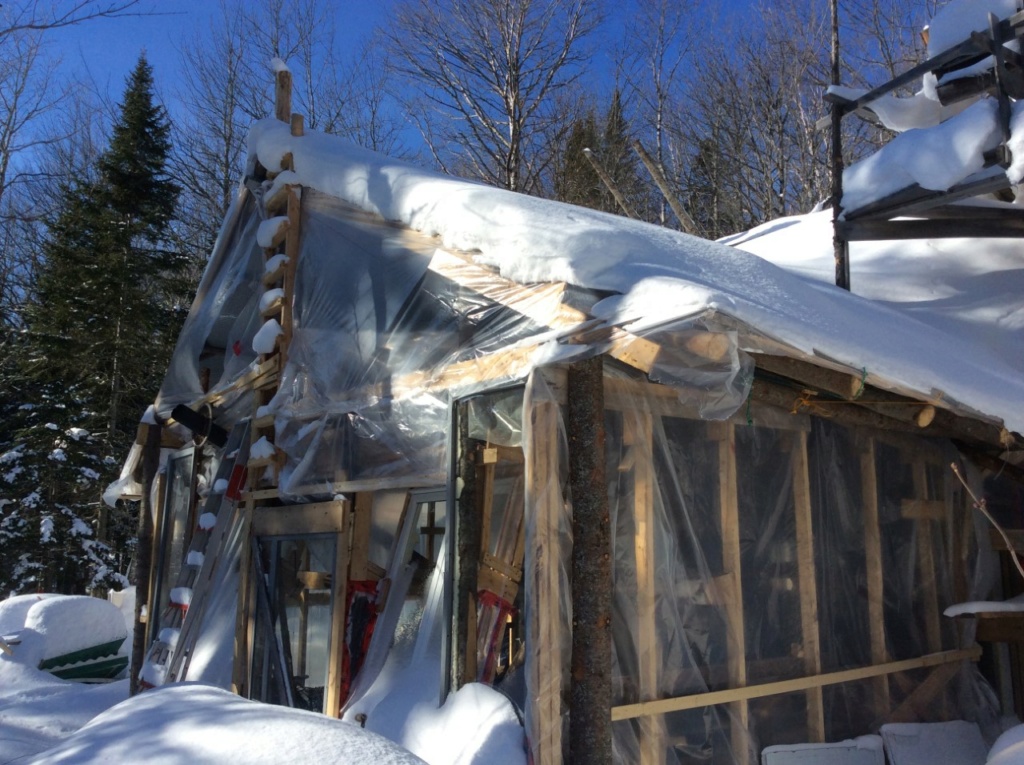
{"x": 748, "y": 553}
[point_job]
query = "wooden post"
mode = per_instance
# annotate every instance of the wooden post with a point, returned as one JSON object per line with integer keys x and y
{"x": 638, "y": 434}
{"x": 590, "y": 695}
{"x": 298, "y": 125}
{"x": 841, "y": 246}
{"x": 926, "y": 563}
{"x": 467, "y": 560}
{"x": 244, "y": 618}
{"x": 283, "y": 94}
{"x": 808, "y": 585}
{"x": 144, "y": 562}
{"x": 875, "y": 578}
{"x": 732, "y": 581}
{"x": 544, "y": 619}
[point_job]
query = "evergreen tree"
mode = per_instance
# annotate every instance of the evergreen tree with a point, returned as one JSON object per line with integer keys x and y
{"x": 576, "y": 181}
{"x": 105, "y": 310}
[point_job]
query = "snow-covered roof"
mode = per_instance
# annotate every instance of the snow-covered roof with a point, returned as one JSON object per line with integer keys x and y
{"x": 951, "y": 333}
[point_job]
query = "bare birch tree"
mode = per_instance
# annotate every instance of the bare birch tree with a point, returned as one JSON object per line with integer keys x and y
{"x": 485, "y": 76}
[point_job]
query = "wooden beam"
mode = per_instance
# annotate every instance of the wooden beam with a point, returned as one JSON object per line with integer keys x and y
{"x": 315, "y": 518}
{"x": 795, "y": 685}
{"x": 923, "y": 510}
{"x": 926, "y": 561}
{"x": 875, "y": 576}
{"x": 897, "y": 230}
{"x": 638, "y": 435}
{"x": 339, "y": 614}
{"x": 808, "y": 583}
{"x": 732, "y": 559}
{"x": 545, "y": 626}
{"x": 920, "y": 704}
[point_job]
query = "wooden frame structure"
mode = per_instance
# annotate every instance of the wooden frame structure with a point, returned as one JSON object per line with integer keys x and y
{"x": 506, "y": 544}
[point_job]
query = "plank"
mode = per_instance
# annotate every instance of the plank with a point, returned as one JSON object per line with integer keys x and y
{"x": 808, "y": 585}
{"x": 923, "y": 510}
{"x": 794, "y": 685}
{"x": 359, "y": 566}
{"x": 921, "y": 703}
{"x": 339, "y": 614}
{"x": 875, "y": 577}
{"x": 639, "y": 435}
{"x": 314, "y": 518}
{"x": 729, "y": 511}
{"x": 243, "y": 615}
{"x": 545, "y": 626}
{"x": 926, "y": 562}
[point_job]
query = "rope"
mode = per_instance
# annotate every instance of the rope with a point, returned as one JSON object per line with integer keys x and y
{"x": 863, "y": 379}
{"x": 981, "y": 505}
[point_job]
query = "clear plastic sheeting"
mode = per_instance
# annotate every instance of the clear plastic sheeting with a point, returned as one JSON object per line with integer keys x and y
{"x": 215, "y": 344}
{"x": 386, "y": 328}
{"x": 746, "y": 554}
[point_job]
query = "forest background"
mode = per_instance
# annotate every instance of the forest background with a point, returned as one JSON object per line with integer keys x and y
{"x": 111, "y": 199}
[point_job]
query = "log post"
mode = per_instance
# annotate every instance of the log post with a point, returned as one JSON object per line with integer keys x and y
{"x": 590, "y": 696}
{"x": 144, "y": 561}
{"x": 467, "y": 560}
{"x": 283, "y": 94}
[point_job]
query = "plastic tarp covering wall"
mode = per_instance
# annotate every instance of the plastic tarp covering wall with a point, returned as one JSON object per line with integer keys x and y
{"x": 217, "y": 336}
{"x": 356, "y": 399}
{"x": 742, "y": 556}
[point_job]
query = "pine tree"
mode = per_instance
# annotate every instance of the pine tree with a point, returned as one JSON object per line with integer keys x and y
{"x": 104, "y": 313}
{"x": 576, "y": 181}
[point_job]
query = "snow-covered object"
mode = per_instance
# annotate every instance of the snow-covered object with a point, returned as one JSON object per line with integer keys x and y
{"x": 192, "y": 724}
{"x": 930, "y": 743}
{"x": 38, "y": 710}
{"x": 153, "y": 674}
{"x": 268, "y": 230}
{"x": 125, "y": 485}
{"x": 955, "y": 22}
{"x": 936, "y": 158}
{"x": 77, "y": 433}
{"x": 207, "y": 521}
{"x": 220, "y": 486}
{"x": 275, "y": 263}
{"x": 476, "y": 726}
{"x": 284, "y": 177}
{"x": 863, "y": 750}
{"x": 270, "y": 297}
{"x": 278, "y": 65}
{"x": 169, "y": 636}
{"x": 1008, "y": 748}
{"x": 14, "y": 610}
{"x": 194, "y": 558}
{"x": 1012, "y": 605}
{"x": 68, "y": 623}
{"x": 266, "y": 338}
{"x": 262, "y": 449}
{"x": 922, "y": 110}
{"x": 1015, "y": 172}
{"x": 181, "y": 596}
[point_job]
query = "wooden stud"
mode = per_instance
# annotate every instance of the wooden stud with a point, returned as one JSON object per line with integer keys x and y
{"x": 339, "y": 614}
{"x": 729, "y": 511}
{"x": 875, "y": 577}
{"x": 243, "y": 615}
{"x": 920, "y": 704}
{"x": 795, "y": 685}
{"x": 639, "y": 433}
{"x": 545, "y": 626}
{"x": 298, "y": 127}
{"x": 926, "y": 562}
{"x": 808, "y": 585}
{"x": 360, "y": 542}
